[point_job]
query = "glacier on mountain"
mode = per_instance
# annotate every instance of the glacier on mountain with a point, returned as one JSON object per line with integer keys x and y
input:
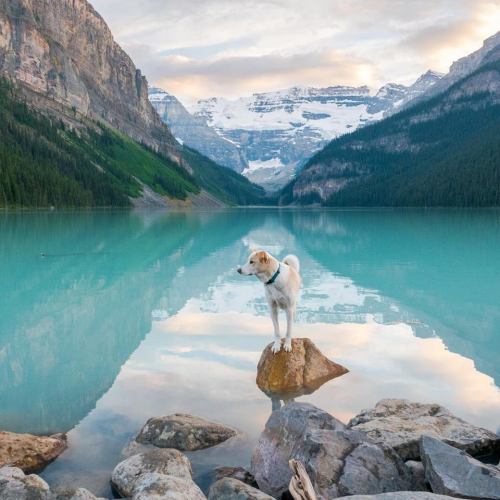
{"x": 276, "y": 132}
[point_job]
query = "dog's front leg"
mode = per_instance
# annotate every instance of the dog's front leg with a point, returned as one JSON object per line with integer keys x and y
{"x": 290, "y": 314}
{"x": 277, "y": 337}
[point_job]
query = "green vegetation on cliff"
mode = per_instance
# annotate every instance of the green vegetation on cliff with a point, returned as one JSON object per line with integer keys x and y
{"x": 222, "y": 182}
{"x": 44, "y": 163}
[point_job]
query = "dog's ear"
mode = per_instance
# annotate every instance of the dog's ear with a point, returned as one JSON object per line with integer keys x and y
{"x": 263, "y": 257}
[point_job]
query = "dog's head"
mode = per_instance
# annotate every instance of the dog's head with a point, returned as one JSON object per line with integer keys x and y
{"x": 257, "y": 263}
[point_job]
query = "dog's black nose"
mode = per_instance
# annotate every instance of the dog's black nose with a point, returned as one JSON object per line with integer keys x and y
{"x": 238, "y": 269}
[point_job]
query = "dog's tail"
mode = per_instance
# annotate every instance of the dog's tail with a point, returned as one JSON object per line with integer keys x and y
{"x": 292, "y": 261}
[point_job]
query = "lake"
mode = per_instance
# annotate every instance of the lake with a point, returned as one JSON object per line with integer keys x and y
{"x": 108, "y": 318}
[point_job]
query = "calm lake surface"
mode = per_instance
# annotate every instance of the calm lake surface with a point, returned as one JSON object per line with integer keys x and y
{"x": 108, "y": 318}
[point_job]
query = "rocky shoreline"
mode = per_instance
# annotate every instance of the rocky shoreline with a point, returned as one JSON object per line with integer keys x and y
{"x": 397, "y": 450}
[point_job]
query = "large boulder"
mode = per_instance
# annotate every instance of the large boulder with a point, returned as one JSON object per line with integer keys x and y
{"x": 399, "y": 424}
{"x": 301, "y": 371}
{"x": 30, "y": 453}
{"x": 160, "y": 461}
{"x": 338, "y": 461}
{"x": 183, "y": 432}
{"x": 453, "y": 472}
{"x": 229, "y": 488}
{"x": 151, "y": 486}
{"x": 15, "y": 485}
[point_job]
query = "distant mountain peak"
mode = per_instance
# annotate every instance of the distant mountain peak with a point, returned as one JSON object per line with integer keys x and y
{"x": 194, "y": 131}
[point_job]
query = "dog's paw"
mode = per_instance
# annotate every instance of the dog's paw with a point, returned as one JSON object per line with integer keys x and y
{"x": 276, "y": 346}
{"x": 288, "y": 345}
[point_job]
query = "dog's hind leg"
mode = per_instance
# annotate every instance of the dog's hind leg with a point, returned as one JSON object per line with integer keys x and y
{"x": 277, "y": 337}
{"x": 290, "y": 314}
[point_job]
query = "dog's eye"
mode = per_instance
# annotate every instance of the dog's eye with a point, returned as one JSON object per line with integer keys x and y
{"x": 251, "y": 262}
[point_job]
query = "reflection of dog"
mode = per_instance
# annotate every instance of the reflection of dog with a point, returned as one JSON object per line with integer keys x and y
{"x": 281, "y": 283}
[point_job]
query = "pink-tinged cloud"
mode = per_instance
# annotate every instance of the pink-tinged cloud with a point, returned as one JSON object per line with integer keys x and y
{"x": 234, "y": 47}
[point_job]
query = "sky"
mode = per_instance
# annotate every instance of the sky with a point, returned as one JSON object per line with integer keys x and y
{"x": 230, "y": 48}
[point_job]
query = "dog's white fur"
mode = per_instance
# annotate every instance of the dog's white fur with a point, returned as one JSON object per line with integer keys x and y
{"x": 282, "y": 294}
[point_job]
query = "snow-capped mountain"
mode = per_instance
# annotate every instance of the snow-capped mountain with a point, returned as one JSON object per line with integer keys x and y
{"x": 400, "y": 96}
{"x": 279, "y": 130}
{"x": 274, "y": 133}
{"x": 194, "y": 131}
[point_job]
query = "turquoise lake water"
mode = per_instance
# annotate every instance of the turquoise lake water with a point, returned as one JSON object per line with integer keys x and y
{"x": 108, "y": 318}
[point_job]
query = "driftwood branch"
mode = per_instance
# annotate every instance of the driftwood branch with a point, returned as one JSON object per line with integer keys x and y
{"x": 300, "y": 487}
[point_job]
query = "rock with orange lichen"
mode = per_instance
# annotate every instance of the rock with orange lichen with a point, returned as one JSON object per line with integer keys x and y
{"x": 301, "y": 371}
{"x": 28, "y": 452}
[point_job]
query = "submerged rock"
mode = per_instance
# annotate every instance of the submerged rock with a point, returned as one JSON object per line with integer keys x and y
{"x": 338, "y": 461}
{"x": 453, "y": 472}
{"x": 399, "y": 423}
{"x": 164, "y": 462}
{"x": 28, "y": 452}
{"x": 301, "y": 371}
{"x": 238, "y": 473}
{"x": 15, "y": 485}
{"x": 231, "y": 489}
{"x": 183, "y": 432}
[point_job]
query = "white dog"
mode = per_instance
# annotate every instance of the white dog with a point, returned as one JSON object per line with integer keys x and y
{"x": 281, "y": 283}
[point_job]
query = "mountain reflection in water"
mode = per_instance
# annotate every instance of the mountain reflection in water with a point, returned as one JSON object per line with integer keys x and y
{"x": 132, "y": 315}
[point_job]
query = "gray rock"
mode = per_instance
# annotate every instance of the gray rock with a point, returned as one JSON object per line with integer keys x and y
{"x": 238, "y": 473}
{"x": 75, "y": 494}
{"x": 400, "y": 495}
{"x": 15, "y": 485}
{"x": 399, "y": 423}
{"x": 152, "y": 485}
{"x": 339, "y": 461}
{"x": 183, "y": 432}
{"x": 452, "y": 472}
{"x": 417, "y": 472}
{"x": 231, "y": 489}
{"x": 164, "y": 461}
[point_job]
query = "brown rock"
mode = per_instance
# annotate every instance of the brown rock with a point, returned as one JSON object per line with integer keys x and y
{"x": 30, "y": 453}
{"x": 301, "y": 371}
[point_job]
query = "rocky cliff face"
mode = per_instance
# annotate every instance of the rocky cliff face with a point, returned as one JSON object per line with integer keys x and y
{"x": 490, "y": 51}
{"x": 63, "y": 55}
{"x": 195, "y": 132}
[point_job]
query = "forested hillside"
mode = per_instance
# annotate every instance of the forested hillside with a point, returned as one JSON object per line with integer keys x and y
{"x": 44, "y": 163}
{"x": 442, "y": 152}
{"x": 224, "y": 183}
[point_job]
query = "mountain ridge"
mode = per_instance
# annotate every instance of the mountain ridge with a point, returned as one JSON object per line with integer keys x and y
{"x": 441, "y": 151}
{"x": 275, "y": 132}
{"x": 194, "y": 131}
{"x": 76, "y": 98}
{"x": 63, "y": 55}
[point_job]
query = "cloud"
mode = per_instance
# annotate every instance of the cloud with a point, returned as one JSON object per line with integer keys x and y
{"x": 181, "y": 74}
{"x": 200, "y": 48}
